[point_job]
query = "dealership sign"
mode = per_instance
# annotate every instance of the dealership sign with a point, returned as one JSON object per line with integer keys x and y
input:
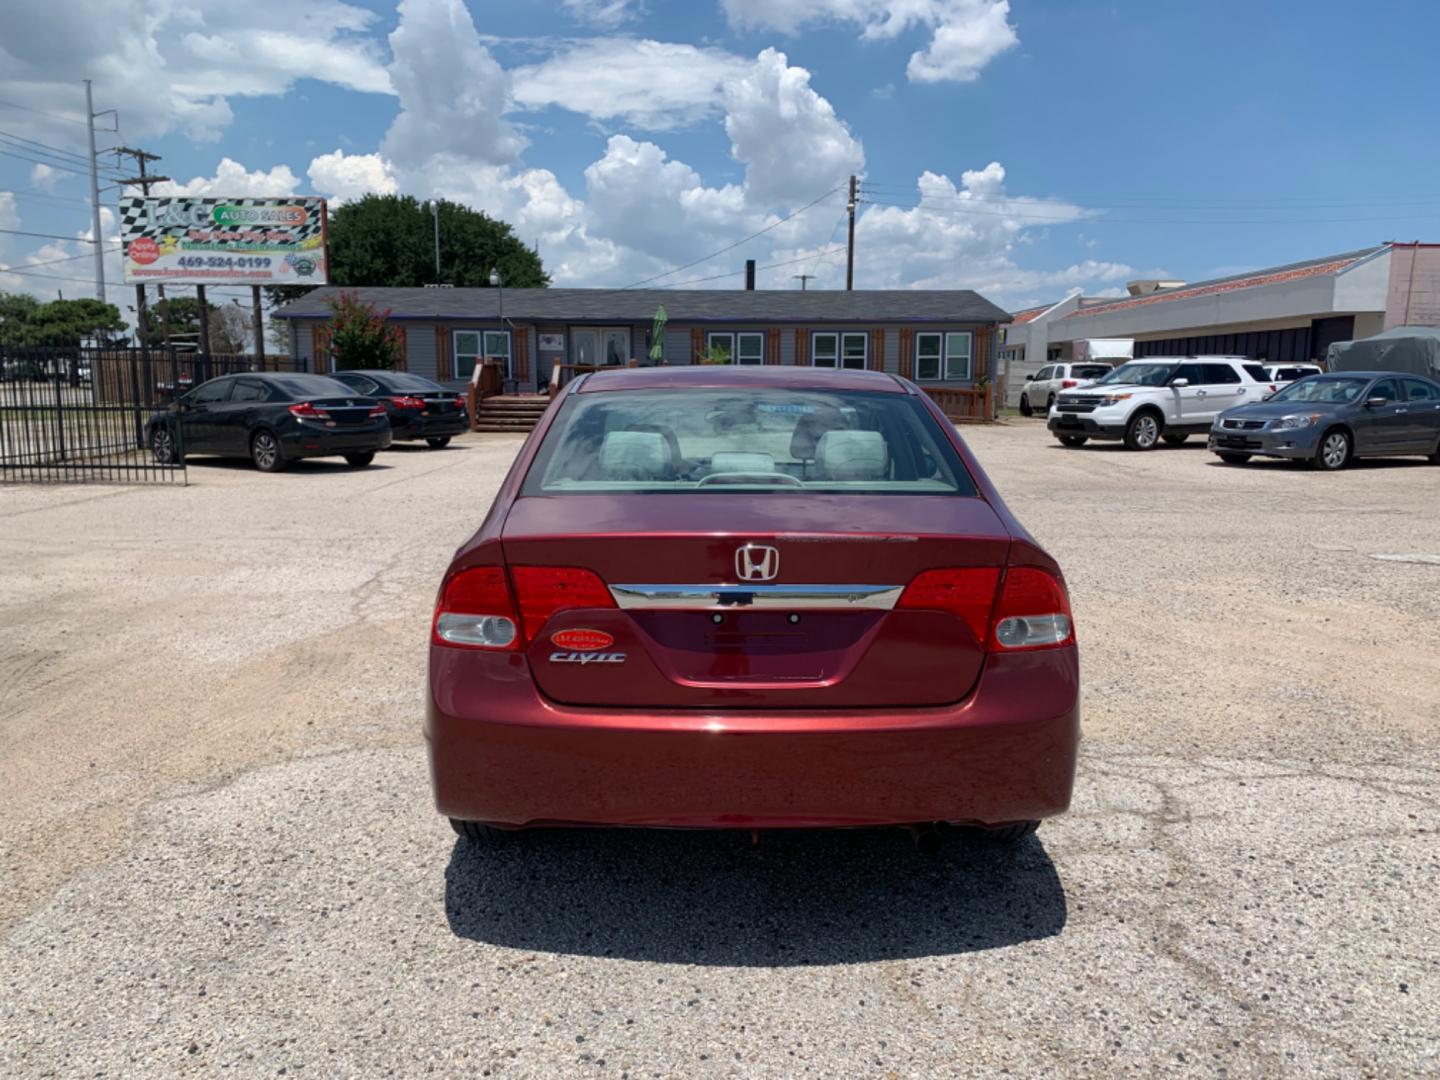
{"x": 193, "y": 241}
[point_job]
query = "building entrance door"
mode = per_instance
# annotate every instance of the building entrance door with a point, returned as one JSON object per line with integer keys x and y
{"x": 601, "y": 346}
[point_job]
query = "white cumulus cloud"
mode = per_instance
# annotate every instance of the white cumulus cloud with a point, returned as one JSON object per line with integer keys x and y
{"x": 965, "y": 34}
{"x": 341, "y": 177}
{"x": 655, "y": 85}
{"x": 232, "y": 178}
{"x": 167, "y": 66}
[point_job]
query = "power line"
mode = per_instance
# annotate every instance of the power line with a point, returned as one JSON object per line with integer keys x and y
{"x": 49, "y": 236}
{"x": 735, "y": 273}
{"x": 30, "y": 195}
{"x": 40, "y": 147}
{"x": 52, "y": 262}
{"x": 1166, "y": 202}
{"x": 1082, "y": 220}
{"x": 737, "y": 243}
{"x": 42, "y": 112}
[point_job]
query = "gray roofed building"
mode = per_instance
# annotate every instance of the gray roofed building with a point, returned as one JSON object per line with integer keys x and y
{"x": 638, "y": 305}
{"x": 943, "y": 339}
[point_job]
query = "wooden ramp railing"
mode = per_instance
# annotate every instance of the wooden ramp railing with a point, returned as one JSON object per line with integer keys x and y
{"x": 962, "y": 405}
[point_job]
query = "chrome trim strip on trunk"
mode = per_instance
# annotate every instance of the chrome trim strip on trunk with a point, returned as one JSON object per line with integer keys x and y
{"x": 720, "y": 597}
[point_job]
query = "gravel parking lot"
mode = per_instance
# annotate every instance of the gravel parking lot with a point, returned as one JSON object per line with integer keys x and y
{"x": 218, "y": 853}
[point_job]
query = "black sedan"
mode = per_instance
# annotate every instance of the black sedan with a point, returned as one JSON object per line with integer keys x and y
{"x": 272, "y": 419}
{"x": 1329, "y": 420}
{"x": 417, "y": 407}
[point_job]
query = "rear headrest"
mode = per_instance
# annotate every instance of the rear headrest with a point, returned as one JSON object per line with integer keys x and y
{"x": 635, "y": 455}
{"x": 741, "y": 461}
{"x": 851, "y": 455}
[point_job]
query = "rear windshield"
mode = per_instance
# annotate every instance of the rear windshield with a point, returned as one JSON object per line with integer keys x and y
{"x": 1090, "y": 371}
{"x": 1256, "y": 372}
{"x": 755, "y": 440}
{"x": 313, "y": 386}
{"x": 400, "y": 380}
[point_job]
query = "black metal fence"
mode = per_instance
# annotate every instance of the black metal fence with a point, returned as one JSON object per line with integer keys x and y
{"x": 82, "y": 414}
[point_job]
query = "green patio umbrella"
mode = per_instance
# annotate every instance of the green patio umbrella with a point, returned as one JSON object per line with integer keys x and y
{"x": 657, "y": 335}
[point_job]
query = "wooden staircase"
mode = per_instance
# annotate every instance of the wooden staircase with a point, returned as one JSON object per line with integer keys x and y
{"x": 517, "y": 413}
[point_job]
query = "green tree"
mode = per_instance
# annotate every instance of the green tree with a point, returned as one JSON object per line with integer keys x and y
{"x": 71, "y": 322}
{"x": 17, "y": 312}
{"x": 360, "y": 337}
{"x": 390, "y": 240}
{"x": 184, "y": 320}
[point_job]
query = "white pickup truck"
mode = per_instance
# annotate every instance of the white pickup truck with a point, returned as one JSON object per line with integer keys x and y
{"x": 1158, "y": 398}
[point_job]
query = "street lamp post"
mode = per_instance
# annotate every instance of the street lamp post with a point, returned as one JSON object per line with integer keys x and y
{"x": 497, "y": 284}
{"x": 435, "y": 213}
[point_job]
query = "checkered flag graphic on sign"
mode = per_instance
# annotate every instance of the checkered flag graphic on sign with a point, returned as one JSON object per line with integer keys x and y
{"x": 159, "y": 217}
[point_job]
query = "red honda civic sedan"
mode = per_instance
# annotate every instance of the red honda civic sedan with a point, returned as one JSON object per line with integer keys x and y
{"x": 748, "y": 597}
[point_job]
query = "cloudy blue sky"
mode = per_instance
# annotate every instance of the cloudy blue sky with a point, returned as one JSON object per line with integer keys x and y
{"x": 1025, "y": 149}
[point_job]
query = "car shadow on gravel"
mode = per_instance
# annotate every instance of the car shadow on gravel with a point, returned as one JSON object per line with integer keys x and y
{"x": 302, "y": 467}
{"x": 710, "y": 898}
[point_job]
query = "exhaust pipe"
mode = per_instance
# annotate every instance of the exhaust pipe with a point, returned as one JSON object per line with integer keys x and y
{"x": 927, "y": 838}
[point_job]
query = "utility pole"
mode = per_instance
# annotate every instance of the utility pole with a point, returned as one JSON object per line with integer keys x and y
{"x": 850, "y": 252}
{"x": 802, "y": 278}
{"x": 144, "y": 180}
{"x": 99, "y": 240}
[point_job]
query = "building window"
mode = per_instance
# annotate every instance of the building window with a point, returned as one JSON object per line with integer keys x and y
{"x": 943, "y": 356}
{"x": 840, "y": 350}
{"x": 474, "y": 345}
{"x": 743, "y": 348}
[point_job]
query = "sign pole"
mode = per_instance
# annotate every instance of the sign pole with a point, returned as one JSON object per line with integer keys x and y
{"x": 258, "y": 322}
{"x": 203, "y": 315}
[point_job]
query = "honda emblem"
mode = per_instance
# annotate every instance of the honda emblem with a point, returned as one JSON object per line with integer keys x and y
{"x": 756, "y": 562}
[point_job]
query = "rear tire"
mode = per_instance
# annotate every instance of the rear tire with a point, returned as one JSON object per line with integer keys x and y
{"x": 359, "y": 461}
{"x": 1025, "y": 408}
{"x": 1009, "y": 834}
{"x": 475, "y": 832}
{"x": 1435, "y": 457}
{"x": 1143, "y": 431}
{"x": 265, "y": 452}
{"x": 1174, "y": 439}
{"x": 437, "y": 442}
{"x": 1234, "y": 459}
{"x": 162, "y": 446}
{"x": 1334, "y": 452}
{"x": 1073, "y": 440}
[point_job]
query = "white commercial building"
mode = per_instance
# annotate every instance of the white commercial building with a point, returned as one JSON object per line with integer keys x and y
{"x": 1282, "y": 314}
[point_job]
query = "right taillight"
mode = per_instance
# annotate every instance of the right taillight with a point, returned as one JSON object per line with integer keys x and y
{"x": 475, "y": 611}
{"x": 1033, "y": 611}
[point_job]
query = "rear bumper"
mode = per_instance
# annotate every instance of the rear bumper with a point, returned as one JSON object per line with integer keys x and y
{"x": 429, "y": 427}
{"x": 500, "y": 753}
{"x": 323, "y": 442}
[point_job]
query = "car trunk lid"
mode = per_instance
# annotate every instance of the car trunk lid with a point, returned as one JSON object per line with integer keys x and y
{"x": 763, "y": 602}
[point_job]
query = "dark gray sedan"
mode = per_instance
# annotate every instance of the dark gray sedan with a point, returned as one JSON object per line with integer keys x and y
{"x": 1329, "y": 420}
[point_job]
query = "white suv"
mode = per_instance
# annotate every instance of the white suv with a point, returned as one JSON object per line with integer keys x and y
{"x": 1041, "y": 388}
{"x": 1145, "y": 401}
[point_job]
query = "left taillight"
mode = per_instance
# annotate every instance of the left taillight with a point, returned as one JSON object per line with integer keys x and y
{"x": 475, "y": 611}
{"x": 1033, "y": 611}
{"x": 544, "y": 590}
{"x": 1066, "y": 384}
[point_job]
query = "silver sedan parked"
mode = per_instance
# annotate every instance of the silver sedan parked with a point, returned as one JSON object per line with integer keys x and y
{"x": 1329, "y": 420}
